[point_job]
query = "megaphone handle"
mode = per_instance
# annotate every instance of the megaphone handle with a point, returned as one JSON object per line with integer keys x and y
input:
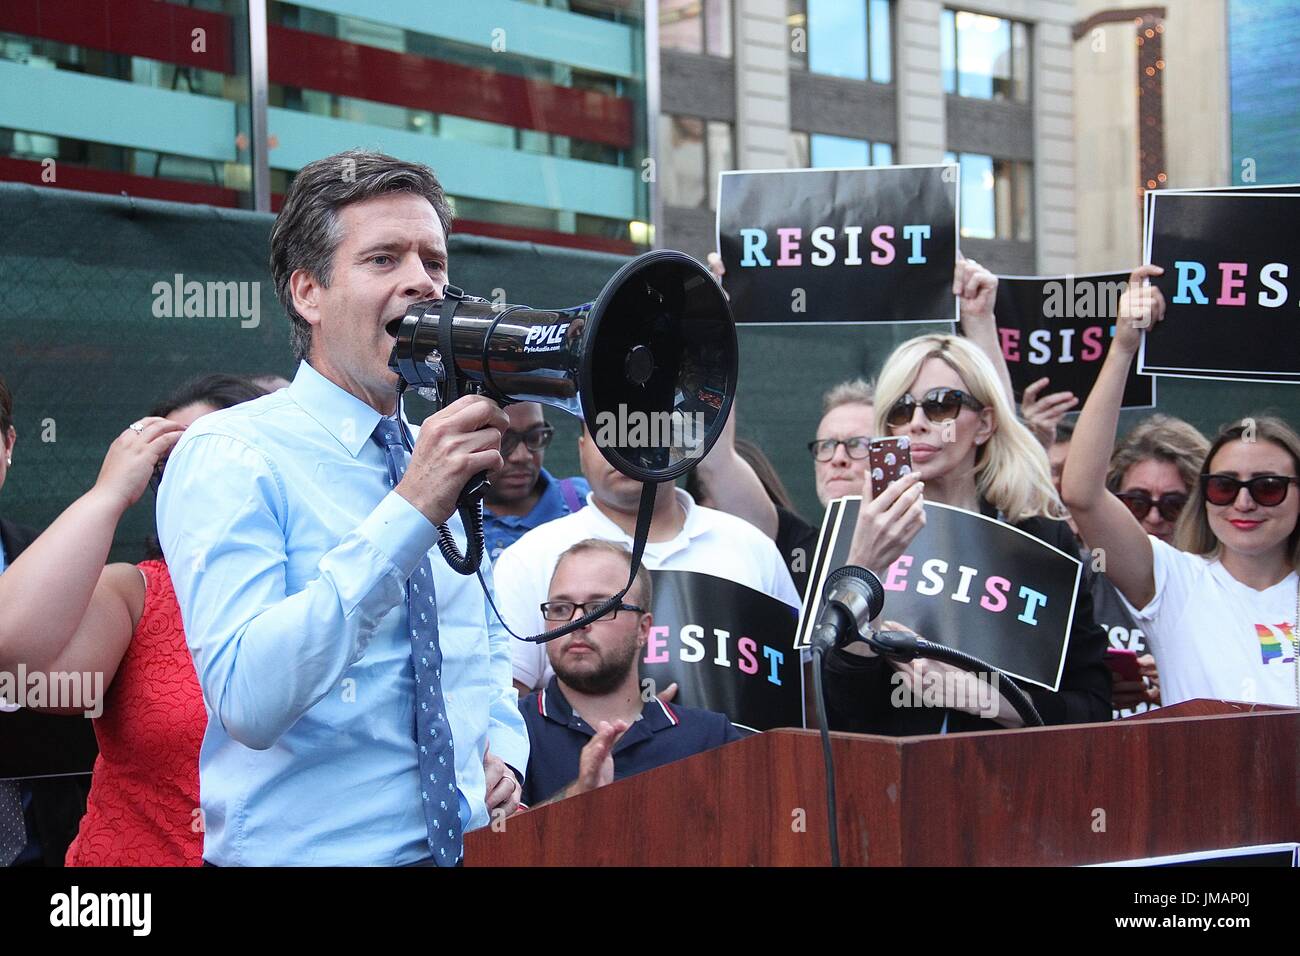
{"x": 474, "y": 489}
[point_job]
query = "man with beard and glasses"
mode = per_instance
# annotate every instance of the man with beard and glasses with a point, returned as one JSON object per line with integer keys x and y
{"x": 590, "y": 725}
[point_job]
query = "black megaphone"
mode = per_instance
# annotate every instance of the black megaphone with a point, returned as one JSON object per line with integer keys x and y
{"x": 650, "y": 365}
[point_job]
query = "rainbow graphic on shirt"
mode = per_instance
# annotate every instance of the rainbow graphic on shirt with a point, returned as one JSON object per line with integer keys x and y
{"x": 1276, "y": 643}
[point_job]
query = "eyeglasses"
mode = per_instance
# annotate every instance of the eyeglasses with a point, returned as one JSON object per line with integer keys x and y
{"x": 563, "y": 610}
{"x": 1267, "y": 490}
{"x": 938, "y": 404}
{"x": 823, "y": 449}
{"x": 535, "y": 439}
{"x": 1170, "y": 504}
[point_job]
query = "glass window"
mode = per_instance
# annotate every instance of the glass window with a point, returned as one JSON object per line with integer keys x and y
{"x": 880, "y": 39}
{"x": 948, "y": 51}
{"x": 821, "y": 150}
{"x": 978, "y": 216}
{"x": 797, "y": 150}
{"x": 1022, "y": 202}
{"x": 720, "y": 156}
{"x": 839, "y": 151}
{"x": 682, "y": 169}
{"x": 995, "y": 197}
{"x": 837, "y": 38}
{"x": 1019, "y": 62}
{"x": 695, "y": 26}
{"x": 796, "y": 21}
{"x": 847, "y": 38}
{"x": 984, "y": 57}
{"x": 717, "y": 27}
{"x": 694, "y": 151}
{"x": 681, "y": 26}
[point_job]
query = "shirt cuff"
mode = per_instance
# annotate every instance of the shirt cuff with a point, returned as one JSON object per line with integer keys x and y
{"x": 398, "y": 531}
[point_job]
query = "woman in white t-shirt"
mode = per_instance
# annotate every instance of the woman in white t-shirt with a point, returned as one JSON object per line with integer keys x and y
{"x": 1222, "y": 610}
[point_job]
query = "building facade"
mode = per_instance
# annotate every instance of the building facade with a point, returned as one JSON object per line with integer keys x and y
{"x": 532, "y": 114}
{"x": 1188, "y": 94}
{"x": 764, "y": 84}
{"x": 569, "y": 122}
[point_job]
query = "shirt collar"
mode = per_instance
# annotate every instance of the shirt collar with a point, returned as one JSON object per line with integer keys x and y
{"x": 550, "y": 489}
{"x": 696, "y": 522}
{"x": 555, "y": 707}
{"x": 350, "y": 420}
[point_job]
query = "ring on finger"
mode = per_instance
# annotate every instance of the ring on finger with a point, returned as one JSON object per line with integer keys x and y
{"x": 137, "y": 427}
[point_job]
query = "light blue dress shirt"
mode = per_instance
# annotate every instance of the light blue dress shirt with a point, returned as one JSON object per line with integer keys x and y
{"x": 289, "y": 555}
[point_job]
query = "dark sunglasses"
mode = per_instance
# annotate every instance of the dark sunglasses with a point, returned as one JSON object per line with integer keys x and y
{"x": 823, "y": 449}
{"x": 1267, "y": 490}
{"x": 535, "y": 439}
{"x": 1170, "y": 504}
{"x": 938, "y": 404}
{"x": 564, "y": 610}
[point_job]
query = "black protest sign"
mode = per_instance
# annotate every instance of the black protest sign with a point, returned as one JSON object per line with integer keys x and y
{"x": 974, "y": 583}
{"x": 728, "y": 647}
{"x": 1231, "y": 284}
{"x": 1060, "y": 327}
{"x": 38, "y": 744}
{"x": 1217, "y": 190}
{"x": 812, "y": 246}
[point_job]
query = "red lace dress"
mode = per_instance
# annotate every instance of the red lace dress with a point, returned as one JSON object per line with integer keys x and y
{"x": 144, "y": 794}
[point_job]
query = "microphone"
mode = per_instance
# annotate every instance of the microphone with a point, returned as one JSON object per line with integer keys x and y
{"x": 854, "y": 598}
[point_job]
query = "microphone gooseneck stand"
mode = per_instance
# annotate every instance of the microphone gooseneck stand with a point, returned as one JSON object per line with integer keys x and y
{"x": 854, "y": 597}
{"x": 828, "y": 759}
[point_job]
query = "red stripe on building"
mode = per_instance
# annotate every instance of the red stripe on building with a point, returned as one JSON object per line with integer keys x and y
{"x": 166, "y": 32}
{"x": 69, "y": 176}
{"x": 159, "y": 31}
{"x": 315, "y": 62}
{"x": 546, "y": 237}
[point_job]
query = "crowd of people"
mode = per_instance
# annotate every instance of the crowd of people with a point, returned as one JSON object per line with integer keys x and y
{"x": 291, "y": 678}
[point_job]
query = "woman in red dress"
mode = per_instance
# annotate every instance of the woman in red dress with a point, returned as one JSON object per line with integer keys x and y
{"x": 66, "y": 612}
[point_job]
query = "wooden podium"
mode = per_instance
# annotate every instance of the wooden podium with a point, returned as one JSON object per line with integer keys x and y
{"x": 1195, "y": 776}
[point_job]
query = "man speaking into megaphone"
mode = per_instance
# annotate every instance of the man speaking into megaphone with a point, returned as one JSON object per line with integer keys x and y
{"x": 298, "y": 529}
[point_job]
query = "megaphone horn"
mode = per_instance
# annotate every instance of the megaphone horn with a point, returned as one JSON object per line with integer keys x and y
{"x": 650, "y": 365}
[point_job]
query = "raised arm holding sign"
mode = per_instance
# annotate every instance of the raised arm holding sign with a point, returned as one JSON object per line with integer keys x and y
{"x": 839, "y": 245}
{"x": 1221, "y": 609}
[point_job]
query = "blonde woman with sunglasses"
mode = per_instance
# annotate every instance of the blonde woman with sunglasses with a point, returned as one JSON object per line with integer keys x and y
{"x": 968, "y": 451}
{"x": 1221, "y": 610}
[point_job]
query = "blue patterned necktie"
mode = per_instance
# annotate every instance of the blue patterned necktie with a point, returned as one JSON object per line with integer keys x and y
{"x": 432, "y": 731}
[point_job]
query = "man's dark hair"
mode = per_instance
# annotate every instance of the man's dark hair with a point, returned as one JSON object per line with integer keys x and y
{"x": 6, "y": 409}
{"x": 306, "y": 232}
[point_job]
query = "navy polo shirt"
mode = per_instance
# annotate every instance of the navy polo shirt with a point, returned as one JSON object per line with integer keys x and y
{"x": 556, "y": 736}
{"x": 501, "y": 531}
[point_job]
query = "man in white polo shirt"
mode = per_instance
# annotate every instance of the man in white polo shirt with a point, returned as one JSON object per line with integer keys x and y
{"x": 683, "y": 536}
